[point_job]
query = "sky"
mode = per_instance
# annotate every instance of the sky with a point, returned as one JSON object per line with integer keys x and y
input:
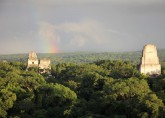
{"x": 57, "y": 26}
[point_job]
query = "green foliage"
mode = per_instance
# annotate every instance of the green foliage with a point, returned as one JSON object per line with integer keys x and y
{"x": 56, "y": 91}
{"x": 131, "y": 97}
{"x": 101, "y": 89}
{"x": 7, "y": 98}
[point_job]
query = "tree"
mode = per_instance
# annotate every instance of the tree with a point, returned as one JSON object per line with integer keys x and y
{"x": 55, "y": 99}
{"x": 123, "y": 97}
{"x": 7, "y": 99}
{"x": 152, "y": 104}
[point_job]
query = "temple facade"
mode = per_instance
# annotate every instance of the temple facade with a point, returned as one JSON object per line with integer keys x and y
{"x": 32, "y": 60}
{"x": 150, "y": 62}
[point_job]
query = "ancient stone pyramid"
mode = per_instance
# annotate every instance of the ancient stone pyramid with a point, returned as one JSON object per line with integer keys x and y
{"x": 32, "y": 61}
{"x": 150, "y": 61}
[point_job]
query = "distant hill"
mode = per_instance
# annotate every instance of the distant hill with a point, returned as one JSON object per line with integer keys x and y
{"x": 83, "y": 57}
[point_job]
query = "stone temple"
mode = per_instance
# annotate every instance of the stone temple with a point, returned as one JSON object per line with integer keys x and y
{"x": 32, "y": 61}
{"x": 44, "y": 65}
{"x": 150, "y": 62}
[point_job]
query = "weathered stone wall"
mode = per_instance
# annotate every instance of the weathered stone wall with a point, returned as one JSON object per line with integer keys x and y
{"x": 44, "y": 66}
{"x": 44, "y": 63}
{"x": 150, "y": 61}
{"x": 32, "y": 63}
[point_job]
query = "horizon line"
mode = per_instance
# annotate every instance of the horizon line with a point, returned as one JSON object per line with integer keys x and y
{"x": 3, "y": 54}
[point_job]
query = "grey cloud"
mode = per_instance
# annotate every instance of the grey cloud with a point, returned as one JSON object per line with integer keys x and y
{"x": 81, "y": 25}
{"x": 82, "y": 34}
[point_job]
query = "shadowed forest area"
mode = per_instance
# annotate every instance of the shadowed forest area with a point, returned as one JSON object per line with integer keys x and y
{"x": 82, "y": 85}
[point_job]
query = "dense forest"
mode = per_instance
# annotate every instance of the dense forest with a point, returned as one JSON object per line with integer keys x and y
{"x": 88, "y": 88}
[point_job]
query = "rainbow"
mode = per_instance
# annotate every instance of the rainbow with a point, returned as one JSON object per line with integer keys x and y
{"x": 47, "y": 35}
{"x": 49, "y": 39}
{"x": 50, "y": 46}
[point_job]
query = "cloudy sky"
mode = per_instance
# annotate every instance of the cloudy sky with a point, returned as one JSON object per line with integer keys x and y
{"x": 55, "y": 26}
